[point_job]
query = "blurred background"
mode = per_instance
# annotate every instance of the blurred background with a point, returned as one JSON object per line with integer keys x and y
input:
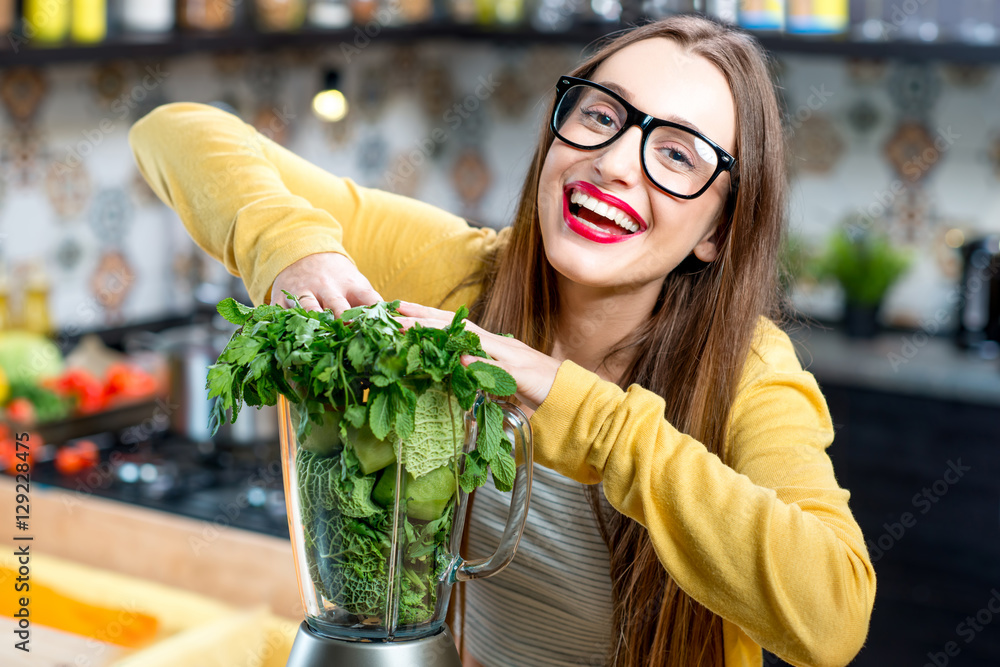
{"x": 891, "y": 265}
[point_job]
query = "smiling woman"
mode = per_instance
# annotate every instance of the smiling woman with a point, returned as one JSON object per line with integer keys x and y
{"x": 637, "y": 279}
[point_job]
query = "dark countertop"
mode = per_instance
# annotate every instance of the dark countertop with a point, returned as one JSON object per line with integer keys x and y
{"x": 911, "y": 364}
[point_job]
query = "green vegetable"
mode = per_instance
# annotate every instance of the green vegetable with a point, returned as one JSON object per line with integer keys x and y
{"x": 426, "y": 496}
{"x": 373, "y": 454}
{"x": 27, "y": 357}
{"x": 368, "y": 397}
{"x": 324, "y": 437}
{"x": 48, "y": 405}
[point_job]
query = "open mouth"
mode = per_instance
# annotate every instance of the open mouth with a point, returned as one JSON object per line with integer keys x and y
{"x": 600, "y": 217}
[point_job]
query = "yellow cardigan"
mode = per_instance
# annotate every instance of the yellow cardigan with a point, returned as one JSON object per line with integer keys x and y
{"x": 769, "y": 544}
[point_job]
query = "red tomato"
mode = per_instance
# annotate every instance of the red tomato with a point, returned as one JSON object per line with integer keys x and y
{"x": 85, "y": 389}
{"x": 11, "y": 455}
{"x": 21, "y": 410}
{"x": 75, "y": 458}
{"x": 123, "y": 381}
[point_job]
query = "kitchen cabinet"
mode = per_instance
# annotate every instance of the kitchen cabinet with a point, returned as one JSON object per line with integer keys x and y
{"x": 919, "y": 454}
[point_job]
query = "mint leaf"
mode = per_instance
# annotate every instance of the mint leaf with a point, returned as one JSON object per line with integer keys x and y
{"x": 379, "y": 417}
{"x": 503, "y": 471}
{"x": 489, "y": 441}
{"x": 405, "y": 406}
{"x": 464, "y": 390}
{"x": 474, "y": 473}
{"x": 456, "y": 322}
{"x": 412, "y": 359}
{"x": 234, "y": 311}
{"x": 492, "y": 378}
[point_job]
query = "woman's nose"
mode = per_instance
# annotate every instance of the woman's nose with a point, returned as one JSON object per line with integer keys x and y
{"x": 620, "y": 162}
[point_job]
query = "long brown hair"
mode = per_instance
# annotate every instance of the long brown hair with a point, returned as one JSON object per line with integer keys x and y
{"x": 693, "y": 348}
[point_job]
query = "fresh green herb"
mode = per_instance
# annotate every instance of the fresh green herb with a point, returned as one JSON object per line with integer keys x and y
{"x": 368, "y": 397}
{"x": 49, "y": 406}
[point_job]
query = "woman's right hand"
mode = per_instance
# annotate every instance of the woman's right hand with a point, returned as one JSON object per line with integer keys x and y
{"x": 324, "y": 280}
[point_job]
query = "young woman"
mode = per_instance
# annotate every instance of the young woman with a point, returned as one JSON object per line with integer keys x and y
{"x": 637, "y": 278}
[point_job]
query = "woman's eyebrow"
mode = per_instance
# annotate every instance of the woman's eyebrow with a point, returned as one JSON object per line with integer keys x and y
{"x": 673, "y": 118}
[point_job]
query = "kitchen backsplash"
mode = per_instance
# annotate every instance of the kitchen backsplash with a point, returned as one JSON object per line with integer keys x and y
{"x": 910, "y": 149}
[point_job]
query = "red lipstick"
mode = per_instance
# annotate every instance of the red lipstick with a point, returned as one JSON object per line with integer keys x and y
{"x": 590, "y": 233}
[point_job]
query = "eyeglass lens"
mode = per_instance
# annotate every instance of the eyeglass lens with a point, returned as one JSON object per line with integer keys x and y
{"x": 676, "y": 160}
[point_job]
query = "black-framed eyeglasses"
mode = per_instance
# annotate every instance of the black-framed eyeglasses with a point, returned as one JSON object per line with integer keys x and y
{"x": 677, "y": 159}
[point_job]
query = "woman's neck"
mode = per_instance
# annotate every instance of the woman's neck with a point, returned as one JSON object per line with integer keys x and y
{"x": 592, "y": 321}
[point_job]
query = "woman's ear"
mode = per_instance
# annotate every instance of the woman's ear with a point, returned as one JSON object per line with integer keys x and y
{"x": 707, "y": 248}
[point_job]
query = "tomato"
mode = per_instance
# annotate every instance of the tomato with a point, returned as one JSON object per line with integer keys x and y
{"x": 21, "y": 410}
{"x": 75, "y": 458}
{"x": 123, "y": 381}
{"x": 80, "y": 385}
{"x": 17, "y": 459}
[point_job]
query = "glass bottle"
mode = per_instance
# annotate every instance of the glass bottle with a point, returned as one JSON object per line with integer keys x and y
{"x": 817, "y": 17}
{"x": 35, "y": 307}
{"x": 148, "y": 16}
{"x": 364, "y": 11}
{"x": 6, "y": 321}
{"x": 207, "y": 15}
{"x": 8, "y": 15}
{"x": 330, "y": 14}
{"x": 762, "y": 15}
{"x": 89, "y": 24}
{"x": 279, "y": 15}
{"x": 46, "y": 21}
{"x": 724, "y": 10}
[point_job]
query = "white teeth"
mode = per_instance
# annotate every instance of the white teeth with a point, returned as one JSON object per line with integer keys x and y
{"x": 605, "y": 210}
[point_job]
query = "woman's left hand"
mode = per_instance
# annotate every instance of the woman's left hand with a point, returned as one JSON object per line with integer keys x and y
{"x": 534, "y": 372}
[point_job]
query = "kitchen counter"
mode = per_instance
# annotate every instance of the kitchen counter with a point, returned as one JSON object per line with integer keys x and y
{"x": 910, "y": 364}
{"x": 236, "y": 566}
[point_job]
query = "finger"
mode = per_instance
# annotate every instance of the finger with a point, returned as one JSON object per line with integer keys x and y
{"x": 367, "y": 296}
{"x": 428, "y": 322}
{"x": 278, "y": 298}
{"x": 467, "y": 359}
{"x": 336, "y": 303}
{"x": 417, "y": 310}
{"x": 308, "y": 301}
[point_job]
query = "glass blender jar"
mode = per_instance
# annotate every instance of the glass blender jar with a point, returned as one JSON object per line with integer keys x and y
{"x": 376, "y": 527}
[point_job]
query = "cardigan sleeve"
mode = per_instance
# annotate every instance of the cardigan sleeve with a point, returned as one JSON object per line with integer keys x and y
{"x": 769, "y": 543}
{"x": 258, "y": 208}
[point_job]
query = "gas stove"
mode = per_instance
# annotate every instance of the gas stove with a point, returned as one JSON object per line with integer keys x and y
{"x": 226, "y": 483}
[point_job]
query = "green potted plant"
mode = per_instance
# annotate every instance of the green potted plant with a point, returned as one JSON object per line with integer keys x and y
{"x": 865, "y": 264}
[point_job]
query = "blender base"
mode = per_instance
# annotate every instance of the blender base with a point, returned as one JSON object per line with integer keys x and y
{"x": 314, "y": 650}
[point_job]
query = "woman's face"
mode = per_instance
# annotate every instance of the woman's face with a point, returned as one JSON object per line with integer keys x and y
{"x": 661, "y": 79}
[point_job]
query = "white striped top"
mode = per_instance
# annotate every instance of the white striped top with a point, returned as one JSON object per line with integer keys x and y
{"x": 551, "y": 607}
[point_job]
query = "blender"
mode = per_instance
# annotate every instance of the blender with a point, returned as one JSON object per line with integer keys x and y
{"x": 376, "y": 537}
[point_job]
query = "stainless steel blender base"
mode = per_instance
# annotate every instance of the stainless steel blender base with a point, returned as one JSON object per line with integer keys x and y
{"x": 314, "y": 650}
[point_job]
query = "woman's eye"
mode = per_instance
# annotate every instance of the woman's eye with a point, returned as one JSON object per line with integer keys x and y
{"x": 600, "y": 117}
{"x": 677, "y": 155}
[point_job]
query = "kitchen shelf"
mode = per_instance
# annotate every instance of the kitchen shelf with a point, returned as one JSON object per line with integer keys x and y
{"x": 179, "y": 44}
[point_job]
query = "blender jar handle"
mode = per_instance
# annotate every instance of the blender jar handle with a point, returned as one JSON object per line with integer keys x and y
{"x": 516, "y": 424}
